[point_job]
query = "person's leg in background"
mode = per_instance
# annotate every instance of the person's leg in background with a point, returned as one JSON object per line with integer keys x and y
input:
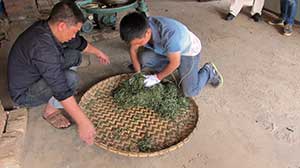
{"x": 257, "y": 9}
{"x": 234, "y": 9}
{"x": 288, "y": 9}
{"x": 237, "y": 5}
{"x": 291, "y": 11}
{"x": 281, "y": 21}
{"x": 284, "y": 5}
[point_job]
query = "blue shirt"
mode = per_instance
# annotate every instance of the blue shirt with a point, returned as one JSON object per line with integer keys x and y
{"x": 169, "y": 36}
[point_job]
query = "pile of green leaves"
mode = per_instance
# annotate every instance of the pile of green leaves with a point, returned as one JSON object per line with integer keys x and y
{"x": 163, "y": 98}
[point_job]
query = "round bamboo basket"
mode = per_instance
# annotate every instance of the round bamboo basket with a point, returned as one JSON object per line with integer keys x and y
{"x": 127, "y": 131}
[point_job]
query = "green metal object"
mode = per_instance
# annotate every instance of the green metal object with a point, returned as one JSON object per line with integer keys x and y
{"x": 132, "y": 5}
{"x": 87, "y": 26}
{"x": 142, "y": 7}
{"x": 104, "y": 20}
{"x": 104, "y": 17}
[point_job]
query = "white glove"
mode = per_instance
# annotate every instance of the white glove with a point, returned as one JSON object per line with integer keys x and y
{"x": 151, "y": 80}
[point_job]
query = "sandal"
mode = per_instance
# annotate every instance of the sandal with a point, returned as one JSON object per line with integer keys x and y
{"x": 57, "y": 120}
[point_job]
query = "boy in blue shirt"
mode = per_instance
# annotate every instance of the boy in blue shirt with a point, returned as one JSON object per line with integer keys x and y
{"x": 169, "y": 45}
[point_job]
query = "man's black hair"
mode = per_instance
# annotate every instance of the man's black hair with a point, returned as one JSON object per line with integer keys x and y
{"x": 133, "y": 25}
{"x": 66, "y": 11}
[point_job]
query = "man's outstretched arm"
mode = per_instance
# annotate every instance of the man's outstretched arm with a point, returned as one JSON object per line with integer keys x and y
{"x": 86, "y": 129}
{"x": 103, "y": 58}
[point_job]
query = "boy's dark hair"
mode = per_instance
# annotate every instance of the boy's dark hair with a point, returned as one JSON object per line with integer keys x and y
{"x": 66, "y": 11}
{"x": 133, "y": 25}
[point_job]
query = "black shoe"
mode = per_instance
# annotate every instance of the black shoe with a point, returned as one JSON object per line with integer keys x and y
{"x": 256, "y": 17}
{"x": 229, "y": 17}
{"x": 278, "y": 22}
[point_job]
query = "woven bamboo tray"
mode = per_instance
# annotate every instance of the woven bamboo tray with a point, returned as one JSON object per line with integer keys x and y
{"x": 122, "y": 130}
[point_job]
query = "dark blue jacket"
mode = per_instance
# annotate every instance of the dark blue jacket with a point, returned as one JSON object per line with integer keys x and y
{"x": 37, "y": 54}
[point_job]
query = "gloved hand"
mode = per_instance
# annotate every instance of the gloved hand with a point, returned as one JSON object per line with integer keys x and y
{"x": 151, "y": 80}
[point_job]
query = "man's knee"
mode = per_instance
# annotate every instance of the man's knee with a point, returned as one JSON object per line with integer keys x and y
{"x": 72, "y": 58}
{"x": 189, "y": 90}
{"x": 72, "y": 79}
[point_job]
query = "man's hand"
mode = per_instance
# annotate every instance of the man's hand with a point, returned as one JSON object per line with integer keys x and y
{"x": 86, "y": 129}
{"x": 103, "y": 58}
{"x": 87, "y": 132}
{"x": 151, "y": 80}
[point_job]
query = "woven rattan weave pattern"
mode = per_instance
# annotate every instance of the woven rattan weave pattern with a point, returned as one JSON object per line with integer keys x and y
{"x": 121, "y": 130}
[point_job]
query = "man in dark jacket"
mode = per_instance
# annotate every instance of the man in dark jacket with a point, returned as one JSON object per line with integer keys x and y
{"x": 41, "y": 67}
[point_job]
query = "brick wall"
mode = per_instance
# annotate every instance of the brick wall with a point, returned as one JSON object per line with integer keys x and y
{"x": 46, "y": 4}
{"x": 20, "y": 9}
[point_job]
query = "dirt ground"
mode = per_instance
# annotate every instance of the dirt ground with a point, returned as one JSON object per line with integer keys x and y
{"x": 251, "y": 122}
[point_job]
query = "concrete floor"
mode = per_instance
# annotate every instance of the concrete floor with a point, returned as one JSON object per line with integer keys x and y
{"x": 253, "y": 121}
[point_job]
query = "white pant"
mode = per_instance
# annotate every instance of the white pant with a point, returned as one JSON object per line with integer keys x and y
{"x": 237, "y": 5}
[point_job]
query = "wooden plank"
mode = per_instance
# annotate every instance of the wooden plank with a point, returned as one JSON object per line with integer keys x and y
{"x": 12, "y": 141}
